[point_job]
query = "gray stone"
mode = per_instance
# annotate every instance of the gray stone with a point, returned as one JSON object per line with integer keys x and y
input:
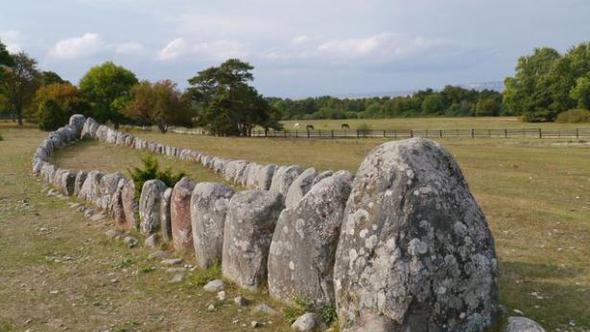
{"x": 130, "y": 241}
{"x": 415, "y": 251}
{"x": 214, "y": 286}
{"x": 300, "y": 187}
{"x": 209, "y": 203}
{"x": 90, "y": 190}
{"x": 80, "y": 178}
{"x": 234, "y": 170}
{"x": 130, "y": 206}
{"x": 89, "y": 129}
{"x": 283, "y": 178}
{"x": 264, "y": 309}
{"x": 172, "y": 261}
{"x": 249, "y": 225}
{"x": 264, "y": 177}
{"x": 522, "y": 324}
{"x": 165, "y": 215}
{"x": 149, "y": 206}
{"x": 178, "y": 277}
{"x": 321, "y": 176}
{"x": 108, "y": 186}
{"x": 116, "y": 208}
{"x": 309, "y": 321}
{"x": 180, "y": 215}
{"x": 152, "y": 241}
{"x": 301, "y": 260}
{"x": 250, "y": 175}
{"x": 77, "y": 123}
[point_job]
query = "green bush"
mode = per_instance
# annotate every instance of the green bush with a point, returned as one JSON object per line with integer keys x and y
{"x": 151, "y": 171}
{"x": 573, "y": 116}
{"x": 51, "y": 116}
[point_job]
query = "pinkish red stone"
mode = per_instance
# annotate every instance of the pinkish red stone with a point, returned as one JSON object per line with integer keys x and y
{"x": 180, "y": 215}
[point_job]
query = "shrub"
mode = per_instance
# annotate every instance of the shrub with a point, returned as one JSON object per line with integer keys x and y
{"x": 51, "y": 116}
{"x": 151, "y": 171}
{"x": 573, "y": 116}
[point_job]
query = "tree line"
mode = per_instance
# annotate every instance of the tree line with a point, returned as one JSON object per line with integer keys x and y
{"x": 451, "y": 101}
{"x": 222, "y": 100}
{"x": 219, "y": 99}
{"x": 547, "y": 83}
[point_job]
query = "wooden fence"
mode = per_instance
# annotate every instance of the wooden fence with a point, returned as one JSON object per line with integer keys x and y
{"x": 577, "y": 133}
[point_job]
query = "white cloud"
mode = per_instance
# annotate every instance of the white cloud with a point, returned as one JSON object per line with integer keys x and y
{"x": 220, "y": 49}
{"x": 301, "y": 39}
{"x": 78, "y": 47}
{"x": 128, "y": 48}
{"x": 173, "y": 50}
{"x": 12, "y": 39}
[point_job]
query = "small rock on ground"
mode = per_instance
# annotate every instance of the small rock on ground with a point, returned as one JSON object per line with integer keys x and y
{"x": 130, "y": 241}
{"x": 307, "y": 322}
{"x": 240, "y": 301}
{"x": 177, "y": 278}
{"x": 172, "y": 261}
{"x": 265, "y": 309}
{"x": 214, "y": 285}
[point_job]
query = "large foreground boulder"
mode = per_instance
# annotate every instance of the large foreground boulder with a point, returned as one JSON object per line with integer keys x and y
{"x": 415, "y": 252}
{"x": 301, "y": 260}
{"x": 180, "y": 215}
{"x": 209, "y": 203}
{"x": 249, "y": 225}
{"x": 149, "y": 206}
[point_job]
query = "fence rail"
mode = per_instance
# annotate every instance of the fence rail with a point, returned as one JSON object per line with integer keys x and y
{"x": 429, "y": 133}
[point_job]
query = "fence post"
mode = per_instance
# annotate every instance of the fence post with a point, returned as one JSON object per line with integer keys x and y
{"x": 296, "y": 134}
{"x": 505, "y": 133}
{"x": 266, "y": 133}
{"x": 308, "y": 133}
{"x": 441, "y": 133}
{"x": 320, "y": 133}
{"x": 384, "y": 133}
{"x": 411, "y": 133}
{"x": 577, "y": 133}
{"x": 540, "y": 133}
{"x": 332, "y": 133}
{"x": 472, "y": 133}
{"x": 358, "y": 134}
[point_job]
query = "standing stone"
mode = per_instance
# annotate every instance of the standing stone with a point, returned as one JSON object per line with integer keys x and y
{"x": 284, "y": 177}
{"x": 250, "y": 175}
{"x": 149, "y": 206}
{"x": 89, "y": 129}
{"x": 209, "y": 203}
{"x": 107, "y": 187}
{"x": 77, "y": 123}
{"x": 300, "y": 187}
{"x": 180, "y": 215}
{"x": 321, "y": 176}
{"x": 90, "y": 189}
{"x": 264, "y": 177}
{"x": 301, "y": 260}
{"x": 67, "y": 182}
{"x": 116, "y": 208}
{"x": 415, "y": 252}
{"x": 165, "y": 215}
{"x": 80, "y": 178}
{"x": 130, "y": 206}
{"x": 249, "y": 225}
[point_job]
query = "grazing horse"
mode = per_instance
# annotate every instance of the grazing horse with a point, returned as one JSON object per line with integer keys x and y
{"x": 345, "y": 126}
{"x": 309, "y": 127}
{"x": 296, "y": 125}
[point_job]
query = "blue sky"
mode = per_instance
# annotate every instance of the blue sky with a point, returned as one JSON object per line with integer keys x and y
{"x": 299, "y": 47}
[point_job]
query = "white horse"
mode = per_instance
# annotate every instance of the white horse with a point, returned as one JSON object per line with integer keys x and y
{"x": 296, "y": 125}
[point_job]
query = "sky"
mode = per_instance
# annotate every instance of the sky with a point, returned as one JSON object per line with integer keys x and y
{"x": 299, "y": 48}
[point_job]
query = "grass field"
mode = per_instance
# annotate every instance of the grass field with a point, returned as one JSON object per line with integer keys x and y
{"x": 535, "y": 194}
{"x": 432, "y": 123}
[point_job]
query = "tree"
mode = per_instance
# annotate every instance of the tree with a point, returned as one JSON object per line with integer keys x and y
{"x": 487, "y": 107}
{"x": 52, "y": 116}
{"x": 108, "y": 88}
{"x": 20, "y": 84}
{"x": 160, "y": 103}
{"x": 227, "y": 104}
{"x": 49, "y": 77}
{"x": 581, "y": 92}
{"x": 5, "y": 60}
{"x": 433, "y": 104}
{"x": 66, "y": 96}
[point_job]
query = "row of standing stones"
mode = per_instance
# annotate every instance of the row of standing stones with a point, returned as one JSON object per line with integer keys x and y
{"x": 400, "y": 246}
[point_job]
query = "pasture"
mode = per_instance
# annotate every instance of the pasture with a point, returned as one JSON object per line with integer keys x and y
{"x": 535, "y": 194}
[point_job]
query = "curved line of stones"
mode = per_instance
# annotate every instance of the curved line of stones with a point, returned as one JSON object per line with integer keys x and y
{"x": 251, "y": 233}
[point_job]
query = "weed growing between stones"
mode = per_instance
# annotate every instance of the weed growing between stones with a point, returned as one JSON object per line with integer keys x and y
{"x": 302, "y": 305}
{"x": 202, "y": 277}
{"x": 151, "y": 171}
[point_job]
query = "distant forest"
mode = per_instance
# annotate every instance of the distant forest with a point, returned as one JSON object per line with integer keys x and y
{"x": 451, "y": 101}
